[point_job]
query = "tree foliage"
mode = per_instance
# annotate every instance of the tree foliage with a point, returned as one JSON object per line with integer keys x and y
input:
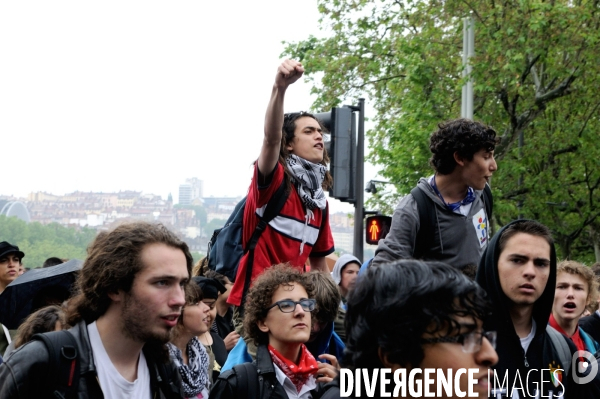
{"x": 535, "y": 74}
{"x": 40, "y": 242}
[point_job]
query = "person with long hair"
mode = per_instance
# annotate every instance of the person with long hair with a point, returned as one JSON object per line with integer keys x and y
{"x": 185, "y": 349}
{"x": 292, "y": 156}
{"x": 129, "y": 296}
{"x": 49, "y": 318}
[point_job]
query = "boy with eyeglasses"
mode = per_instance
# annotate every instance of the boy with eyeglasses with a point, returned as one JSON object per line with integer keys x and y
{"x": 278, "y": 320}
{"x": 410, "y": 315}
{"x": 518, "y": 271}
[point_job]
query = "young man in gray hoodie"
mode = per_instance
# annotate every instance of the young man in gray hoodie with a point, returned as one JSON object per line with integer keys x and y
{"x": 456, "y": 230}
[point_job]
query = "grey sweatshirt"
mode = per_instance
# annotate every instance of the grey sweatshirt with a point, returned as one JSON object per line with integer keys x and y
{"x": 459, "y": 240}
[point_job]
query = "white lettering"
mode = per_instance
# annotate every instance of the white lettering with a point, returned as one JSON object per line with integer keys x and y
{"x": 346, "y": 381}
{"x": 384, "y": 383}
{"x": 472, "y": 382}
{"x": 444, "y": 382}
{"x": 400, "y": 383}
{"x": 534, "y": 382}
{"x": 517, "y": 376}
{"x": 412, "y": 383}
{"x": 459, "y": 393}
{"x": 428, "y": 380}
{"x": 370, "y": 387}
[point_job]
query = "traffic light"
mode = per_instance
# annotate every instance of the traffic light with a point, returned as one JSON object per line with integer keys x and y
{"x": 341, "y": 124}
{"x": 377, "y": 227}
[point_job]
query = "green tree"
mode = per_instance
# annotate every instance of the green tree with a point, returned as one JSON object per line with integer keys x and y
{"x": 40, "y": 242}
{"x": 535, "y": 79}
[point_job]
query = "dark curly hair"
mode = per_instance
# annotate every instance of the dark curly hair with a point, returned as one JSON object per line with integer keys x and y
{"x": 393, "y": 305}
{"x": 289, "y": 129}
{"x": 463, "y": 136}
{"x": 40, "y": 321}
{"x": 113, "y": 260}
{"x": 260, "y": 297}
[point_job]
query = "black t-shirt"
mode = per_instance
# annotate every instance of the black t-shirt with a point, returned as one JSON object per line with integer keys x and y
{"x": 224, "y": 324}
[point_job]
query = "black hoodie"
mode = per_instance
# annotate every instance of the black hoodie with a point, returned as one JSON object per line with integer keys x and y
{"x": 541, "y": 354}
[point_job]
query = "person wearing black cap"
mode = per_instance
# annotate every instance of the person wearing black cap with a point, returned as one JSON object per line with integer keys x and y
{"x": 10, "y": 263}
{"x": 214, "y": 344}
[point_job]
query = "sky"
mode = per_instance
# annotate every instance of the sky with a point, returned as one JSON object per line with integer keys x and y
{"x": 140, "y": 95}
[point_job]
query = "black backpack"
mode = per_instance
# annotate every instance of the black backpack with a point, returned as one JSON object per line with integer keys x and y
{"x": 225, "y": 248}
{"x": 63, "y": 367}
{"x": 427, "y": 223}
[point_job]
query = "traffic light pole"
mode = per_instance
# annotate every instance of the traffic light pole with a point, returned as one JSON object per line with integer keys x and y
{"x": 359, "y": 180}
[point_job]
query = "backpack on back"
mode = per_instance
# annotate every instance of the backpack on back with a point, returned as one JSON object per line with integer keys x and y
{"x": 225, "y": 249}
{"x": 63, "y": 366}
{"x": 427, "y": 223}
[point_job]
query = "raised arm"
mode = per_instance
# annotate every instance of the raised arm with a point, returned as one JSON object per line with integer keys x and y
{"x": 288, "y": 72}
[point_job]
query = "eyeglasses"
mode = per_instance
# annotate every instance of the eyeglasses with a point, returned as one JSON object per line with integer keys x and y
{"x": 471, "y": 342}
{"x": 288, "y": 306}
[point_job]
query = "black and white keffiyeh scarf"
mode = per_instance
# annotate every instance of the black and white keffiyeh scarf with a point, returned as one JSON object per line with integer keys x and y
{"x": 194, "y": 375}
{"x": 309, "y": 181}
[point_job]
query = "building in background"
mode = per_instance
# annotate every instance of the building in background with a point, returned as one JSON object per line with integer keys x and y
{"x": 191, "y": 192}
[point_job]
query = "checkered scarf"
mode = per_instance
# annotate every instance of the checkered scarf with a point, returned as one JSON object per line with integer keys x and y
{"x": 194, "y": 375}
{"x": 309, "y": 178}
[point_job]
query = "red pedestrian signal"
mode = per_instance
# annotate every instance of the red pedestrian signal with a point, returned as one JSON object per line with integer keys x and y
{"x": 377, "y": 227}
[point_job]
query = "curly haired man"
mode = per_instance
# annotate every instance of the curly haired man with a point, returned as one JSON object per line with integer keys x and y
{"x": 454, "y": 198}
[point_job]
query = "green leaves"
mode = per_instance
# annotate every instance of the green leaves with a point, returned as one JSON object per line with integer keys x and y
{"x": 535, "y": 72}
{"x": 40, "y": 242}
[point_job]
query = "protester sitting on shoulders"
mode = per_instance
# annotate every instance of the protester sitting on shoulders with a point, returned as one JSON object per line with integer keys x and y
{"x": 278, "y": 320}
{"x": 292, "y": 156}
{"x": 49, "y": 318}
{"x": 185, "y": 349}
{"x": 411, "y": 314}
{"x": 576, "y": 287}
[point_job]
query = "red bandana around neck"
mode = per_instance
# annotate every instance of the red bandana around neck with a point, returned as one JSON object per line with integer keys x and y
{"x": 297, "y": 373}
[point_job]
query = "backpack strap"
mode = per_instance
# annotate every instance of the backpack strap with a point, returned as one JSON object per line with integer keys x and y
{"x": 488, "y": 200}
{"x": 426, "y": 223}
{"x": 561, "y": 347}
{"x": 247, "y": 380}
{"x": 274, "y": 206}
{"x": 63, "y": 368}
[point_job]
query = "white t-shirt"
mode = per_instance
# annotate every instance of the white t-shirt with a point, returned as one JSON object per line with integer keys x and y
{"x": 525, "y": 345}
{"x": 112, "y": 383}
{"x": 527, "y": 340}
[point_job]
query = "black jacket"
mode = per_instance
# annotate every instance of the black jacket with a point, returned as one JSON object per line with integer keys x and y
{"x": 22, "y": 374}
{"x": 541, "y": 354}
{"x": 591, "y": 325}
{"x": 268, "y": 387}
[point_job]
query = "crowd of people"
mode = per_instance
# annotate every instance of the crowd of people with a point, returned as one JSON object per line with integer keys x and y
{"x": 441, "y": 293}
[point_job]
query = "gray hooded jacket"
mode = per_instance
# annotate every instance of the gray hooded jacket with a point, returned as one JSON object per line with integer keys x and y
{"x": 458, "y": 240}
